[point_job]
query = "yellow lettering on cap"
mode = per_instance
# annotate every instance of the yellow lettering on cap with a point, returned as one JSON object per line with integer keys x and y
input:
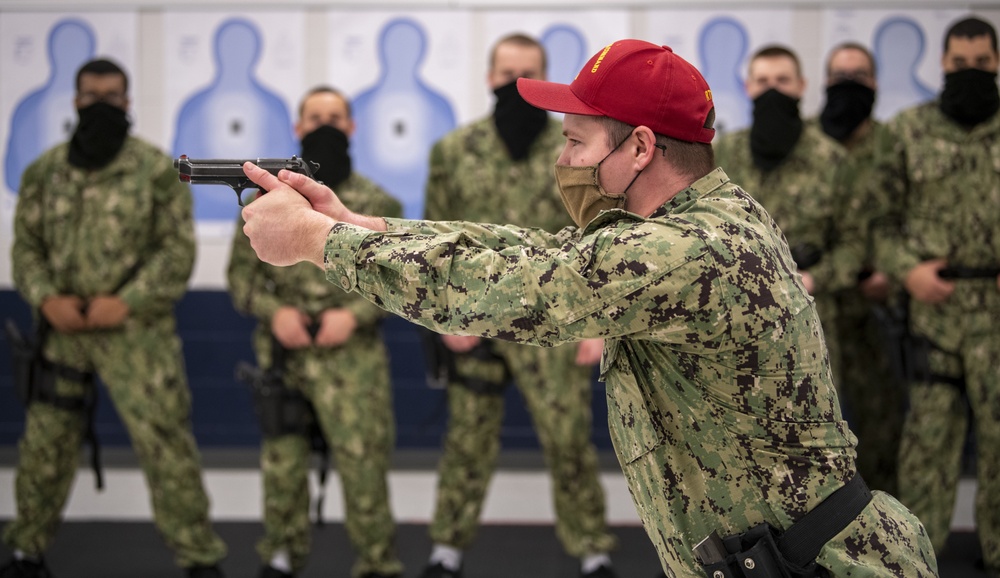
{"x": 708, "y": 95}
{"x": 597, "y": 63}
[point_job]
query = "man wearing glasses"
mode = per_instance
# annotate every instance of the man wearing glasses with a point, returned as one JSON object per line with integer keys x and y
{"x": 872, "y": 393}
{"x": 103, "y": 247}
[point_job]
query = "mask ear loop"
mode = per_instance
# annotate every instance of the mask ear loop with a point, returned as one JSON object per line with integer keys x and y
{"x": 659, "y": 146}
{"x": 612, "y": 151}
{"x": 640, "y": 170}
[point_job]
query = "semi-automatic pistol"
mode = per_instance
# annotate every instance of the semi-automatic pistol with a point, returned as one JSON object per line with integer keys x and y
{"x": 229, "y": 172}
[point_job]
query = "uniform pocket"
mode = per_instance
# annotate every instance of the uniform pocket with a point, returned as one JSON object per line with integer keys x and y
{"x": 629, "y": 416}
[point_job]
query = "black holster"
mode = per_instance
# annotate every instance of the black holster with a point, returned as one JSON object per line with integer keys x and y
{"x": 909, "y": 352}
{"x": 282, "y": 410}
{"x": 35, "y": 382}
{"x": 755, "y": 554}
{"x": 765, "y": 552}
{"x": 25, "y": 362}
{"x": 441, "y": 365}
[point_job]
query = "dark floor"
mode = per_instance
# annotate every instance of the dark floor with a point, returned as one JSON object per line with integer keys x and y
{"x": 134, "y": 550}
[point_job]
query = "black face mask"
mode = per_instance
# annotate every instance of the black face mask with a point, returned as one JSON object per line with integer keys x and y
{"x": 99, "y": 136}
{"x": 518, "y": 123}
{"x": 848, "y": 104}
{"x": 776, "y": 128}
{"x": 970, "y": 96}
{"x": 328, "y": 146}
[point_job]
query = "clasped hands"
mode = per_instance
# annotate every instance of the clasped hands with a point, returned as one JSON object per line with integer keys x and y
{"x": 70, "y": 314}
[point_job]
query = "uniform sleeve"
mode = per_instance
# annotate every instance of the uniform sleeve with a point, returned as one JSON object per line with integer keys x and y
{"x": 494, "y": 236}
{"x": 247, "y": 279}
{"x": 30, "y": 268}
{"x": 451, "y": 283}
{"x": 167, "y": 266}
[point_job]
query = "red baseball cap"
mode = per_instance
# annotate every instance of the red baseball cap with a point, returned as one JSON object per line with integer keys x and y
{"x": 638, "y": 83}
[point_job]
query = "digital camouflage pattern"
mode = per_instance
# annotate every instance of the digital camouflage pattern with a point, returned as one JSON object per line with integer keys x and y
{"x": 806, "y": 199}
{"x": 472, "y": 177}
{"x": 349, "y": 388}
{"x": 85, "y": 233}
{"x": 874, "y": 396}
{"x": 946, "y": 205}
{"x": 721, "y": 404}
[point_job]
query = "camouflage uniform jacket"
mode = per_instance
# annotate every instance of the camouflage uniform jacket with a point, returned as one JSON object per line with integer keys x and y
{"x": 804, "y": 195}
{"x": 947, "y": 204}
{"x": 473, "y": 178}
{"x": 866, "y": 195}
{"x": 260, "y": 289}
{"x": 714, "y": 356}
{"x": 127, "y": 225}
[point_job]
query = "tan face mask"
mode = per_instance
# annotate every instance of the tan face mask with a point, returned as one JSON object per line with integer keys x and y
{"x": 582, "y": 193}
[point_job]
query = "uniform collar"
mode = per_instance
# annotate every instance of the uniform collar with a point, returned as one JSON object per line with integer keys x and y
{"x": 695, "y": 191}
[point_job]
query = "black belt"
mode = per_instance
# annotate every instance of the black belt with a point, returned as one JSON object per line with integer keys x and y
{"x": 802, "y": 542}
{"x": 969, "y": 272}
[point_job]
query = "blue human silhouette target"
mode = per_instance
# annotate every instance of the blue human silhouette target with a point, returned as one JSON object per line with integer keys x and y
{"x": 46, "y": 116}
{"x": 566, "y": 52}
{"x": 899, "y": 45}
{"x": 722, "y": 48}
{"x": 400, "y": 117}
{"x": 236, "y": 116}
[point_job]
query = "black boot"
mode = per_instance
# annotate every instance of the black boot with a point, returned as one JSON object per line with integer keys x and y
{"x": 25, "y": 569}
{"x": 205, "y": 572}
{"x": 269, "y": 571}
{"x": 439, "y": 571}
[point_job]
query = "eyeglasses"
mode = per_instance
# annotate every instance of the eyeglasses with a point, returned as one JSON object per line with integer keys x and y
{"x": 85, "y": 99}
{"x": 861, "y": 76}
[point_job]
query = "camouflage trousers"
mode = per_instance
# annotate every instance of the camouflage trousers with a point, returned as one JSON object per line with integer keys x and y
{"x": 557, "y": 393}
{"x": 350, "y": 390}
{"x": 143, "y": 370}
{"x": 873, "y": 398}
{"x": 934, "y": 434}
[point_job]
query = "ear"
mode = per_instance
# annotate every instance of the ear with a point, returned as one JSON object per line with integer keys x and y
{"x": 644, "y": 148}
{"x": 350, "y": 127}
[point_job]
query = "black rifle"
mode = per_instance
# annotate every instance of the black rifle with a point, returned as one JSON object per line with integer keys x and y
{"x": 229, "y": 172}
